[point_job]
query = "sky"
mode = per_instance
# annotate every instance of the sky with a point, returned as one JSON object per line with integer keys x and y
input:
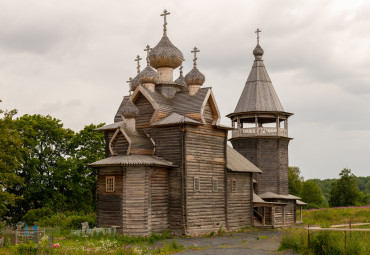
{"x": 71, "y": 60}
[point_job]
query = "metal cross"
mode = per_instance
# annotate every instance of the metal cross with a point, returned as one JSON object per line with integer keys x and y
{"x": 258, "y": 31}
{"x": 138, "y": 58}
{"x": 147, "y": 49}
{"x": 181, "y": 67}
{"x": 195, "y": 55}
{"x": 129, "y": 80}
{"x": 165, "y": 13}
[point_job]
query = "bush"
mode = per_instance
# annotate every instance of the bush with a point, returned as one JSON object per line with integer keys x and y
{"x": 325, "y": 243}
{"x": 34, "y": 215}
{"x": 27, "y": 248}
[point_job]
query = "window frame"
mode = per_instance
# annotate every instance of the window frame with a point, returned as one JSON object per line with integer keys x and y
{"x": 110, "y": 187}
{"x": 233, "y": 185}
{"x": 214, "y": 184}
{"x": 196, "y": 180}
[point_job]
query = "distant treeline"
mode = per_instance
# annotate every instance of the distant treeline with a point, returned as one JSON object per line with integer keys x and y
{"x": 348, "y": 190}
{"x": 363, "y": 184}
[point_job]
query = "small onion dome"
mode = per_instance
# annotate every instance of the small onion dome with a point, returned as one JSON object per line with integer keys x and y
{"x": 181, "y": 81}
{"x": 165, "y": 54}
{"x": 148, "y": 75}
{"x": 258, "y": 51}
{"x": 135, "y": 82}
{"x": 194, "y": 77}
{"x": 130, "y": 110}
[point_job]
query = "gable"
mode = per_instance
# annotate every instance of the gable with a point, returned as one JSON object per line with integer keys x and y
{"x": 146, "y": 110}
{"x": 209, "y": 110}
{"x": 118, "y": 144}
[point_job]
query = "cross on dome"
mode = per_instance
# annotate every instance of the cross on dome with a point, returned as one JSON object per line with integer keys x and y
{"x": 138, "y": 58}
{"x": 147, "y": 49}
{"x": 195, "y": 55}
{"x": 258, "y": 31}
{"x": 181, "y": 67}
{"x": 164, "y": 14}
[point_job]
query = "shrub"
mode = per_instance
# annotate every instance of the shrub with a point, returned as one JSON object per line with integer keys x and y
{"x": 291, "y": 240}
{"x": 325, "y": 243}
{"x": 34, "y": 215}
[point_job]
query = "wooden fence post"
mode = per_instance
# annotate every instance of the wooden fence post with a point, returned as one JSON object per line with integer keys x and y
{"x": 345, "y": 241}
{"x": 308, "y": 235}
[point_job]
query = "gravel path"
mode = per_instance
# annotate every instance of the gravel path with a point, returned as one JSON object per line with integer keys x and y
{"x": 252, "y": 242}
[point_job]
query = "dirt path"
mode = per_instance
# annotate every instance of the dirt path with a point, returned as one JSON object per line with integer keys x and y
{"x": 252, "y": 242}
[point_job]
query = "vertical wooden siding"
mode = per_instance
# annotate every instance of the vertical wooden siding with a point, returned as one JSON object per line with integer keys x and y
{"x": 205, "y": 159}
{"x": 169, "y": 145}
{"x": 239, "y": 210}
{"x": 159, "y": 199}
{"x": 135, "y": 205}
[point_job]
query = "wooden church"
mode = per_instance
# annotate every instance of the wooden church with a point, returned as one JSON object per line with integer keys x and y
{"x": 168, "y": 164}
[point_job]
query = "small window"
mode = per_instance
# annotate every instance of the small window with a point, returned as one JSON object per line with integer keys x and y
{"x": 214, "y": 185}
{"x": 233, "y": 185}
{"x": 196, "y": 184}
{"x": 109, "y": 183}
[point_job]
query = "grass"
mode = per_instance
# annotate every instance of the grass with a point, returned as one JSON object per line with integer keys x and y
{"x": 329, "y": 242}
{"x": 332, "y": 216}
{"x": 119, "y": 244}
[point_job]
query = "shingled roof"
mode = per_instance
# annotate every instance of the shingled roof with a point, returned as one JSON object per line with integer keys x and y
{"x": 132, "y": 160}
{"x": 236, "y": 162}
{"x": 259, "y": 93}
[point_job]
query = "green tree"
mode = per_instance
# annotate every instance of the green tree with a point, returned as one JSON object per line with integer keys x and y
{"x": 87, "y": 146}
{"x": 295, "y": 180}
{"x": 344, "y": 191}
{"x": 312, "y": 194}
{"x": 46, "y": 145}
{"x": 10, "y": 160}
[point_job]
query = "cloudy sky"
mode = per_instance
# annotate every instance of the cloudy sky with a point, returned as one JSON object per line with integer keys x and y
{"x": 71, "y": 59}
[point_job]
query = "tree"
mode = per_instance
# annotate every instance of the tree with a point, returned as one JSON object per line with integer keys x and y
{"x": 10, "y": 160}
{"x": 295, "y": 180}
{"x": 344, "y": 191}
{"x": 87, "y": 146}
{"x": 46, "y": 145}
{"x": 312, "y": 194}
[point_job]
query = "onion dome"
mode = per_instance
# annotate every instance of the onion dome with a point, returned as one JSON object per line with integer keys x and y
{"x": 135, "y": 82}
{"x": 258, "y": 51}
{"x": 130, "y": 110}
{"x": 148, "y": 75}
{"x": 181, "y": 80}
{"x": 195, "y": 77}
{"x": 165, "y": 54}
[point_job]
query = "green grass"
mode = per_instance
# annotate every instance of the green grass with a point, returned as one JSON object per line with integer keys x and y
{"x": 329, "y": 242}
{"x": 119, "y": 244}
{"x": 332, "y": 216}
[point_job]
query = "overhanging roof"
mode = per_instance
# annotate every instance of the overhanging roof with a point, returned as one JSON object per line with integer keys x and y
{"x": 236, "y": 162}
{"x": 272, "y": 195}
{"x": 132, "y": 160}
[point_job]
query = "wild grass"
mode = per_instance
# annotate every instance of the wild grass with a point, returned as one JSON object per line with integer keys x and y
{"x": 119, "y": 244}
{"x": 329, "y": 242}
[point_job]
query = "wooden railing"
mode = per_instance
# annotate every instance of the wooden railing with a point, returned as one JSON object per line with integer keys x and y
{"x": 260, "y": 131}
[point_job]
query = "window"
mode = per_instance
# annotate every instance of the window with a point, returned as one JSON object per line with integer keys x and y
{"x": 214, "y": 184}
{"x": 233, "y": 185}
{"x": 196, "y": 184}
{"x": 109, "y": 183}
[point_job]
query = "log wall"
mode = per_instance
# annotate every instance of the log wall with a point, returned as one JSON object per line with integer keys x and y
{"x": 208, "y": 113}
{"x": 146, "y": 110}
{"x": 109, "y": 206}
{"x": 169, "y": 145}
{"x": 205, "y": 159}
{"x": 158, "y": 219}
{"x": 239, "y": 201}
{"x": 271, "y": 156}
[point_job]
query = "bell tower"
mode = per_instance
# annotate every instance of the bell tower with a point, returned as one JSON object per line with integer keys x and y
{"x": 261, "y": 129}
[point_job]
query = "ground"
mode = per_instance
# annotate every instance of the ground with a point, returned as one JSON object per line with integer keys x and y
{"x": 251, "y": 242}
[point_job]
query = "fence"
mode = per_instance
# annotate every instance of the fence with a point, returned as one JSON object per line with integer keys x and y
{"x": 339, "y": 228}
